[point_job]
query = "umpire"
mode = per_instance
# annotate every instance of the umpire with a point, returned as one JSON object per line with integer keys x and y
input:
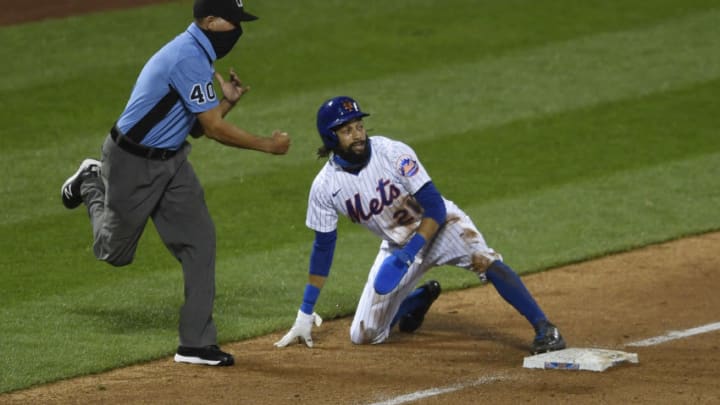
{"x": 144, "y": 170}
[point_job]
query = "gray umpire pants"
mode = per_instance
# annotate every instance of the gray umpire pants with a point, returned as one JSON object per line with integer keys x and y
{"x": 132, "y": 189}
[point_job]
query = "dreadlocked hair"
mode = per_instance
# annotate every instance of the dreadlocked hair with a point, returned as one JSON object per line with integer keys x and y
{"x": 323, "y": 152}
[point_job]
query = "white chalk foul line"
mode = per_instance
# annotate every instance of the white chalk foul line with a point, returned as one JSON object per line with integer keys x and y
{"x": 437, "y": 391}
{"x": 676, "y": 334}
{"x": 672, "y": 335}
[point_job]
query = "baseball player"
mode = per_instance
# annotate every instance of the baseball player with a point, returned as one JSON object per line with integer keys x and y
{"x": 145, "y": 172}
{"x": 380, "y": 184}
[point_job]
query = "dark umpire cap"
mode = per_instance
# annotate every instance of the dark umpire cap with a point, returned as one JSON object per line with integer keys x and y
{"x": 230, "y": 10}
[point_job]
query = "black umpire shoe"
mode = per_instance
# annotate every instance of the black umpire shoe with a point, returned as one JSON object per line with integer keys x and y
{"x": 208, "y": 355}
{"x": 70, "y": 191}
{"x": 547, "y": 339}
{"x": 411, "y": 322}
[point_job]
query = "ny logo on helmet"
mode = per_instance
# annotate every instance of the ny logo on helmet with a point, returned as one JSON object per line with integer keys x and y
{"x": 239, "y": 3}
{"x": 349, "y": 106}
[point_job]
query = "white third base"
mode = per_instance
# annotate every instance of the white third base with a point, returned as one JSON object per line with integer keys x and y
{"x": 579, "y": 359}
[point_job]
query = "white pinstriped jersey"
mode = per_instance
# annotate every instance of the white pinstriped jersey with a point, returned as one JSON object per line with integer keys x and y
{"x": 379, "y": 197}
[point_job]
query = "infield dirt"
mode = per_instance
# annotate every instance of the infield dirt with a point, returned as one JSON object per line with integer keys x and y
{"x": 472, "y": 342}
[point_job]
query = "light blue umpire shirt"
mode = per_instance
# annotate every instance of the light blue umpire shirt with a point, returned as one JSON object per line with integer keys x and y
{"x": 185, "y": 64}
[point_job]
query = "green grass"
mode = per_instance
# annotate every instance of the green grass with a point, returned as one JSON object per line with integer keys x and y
{"x": 567, "y": 130}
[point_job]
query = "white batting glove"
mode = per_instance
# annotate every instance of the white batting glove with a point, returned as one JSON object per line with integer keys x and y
{"x": 300, "y": 331}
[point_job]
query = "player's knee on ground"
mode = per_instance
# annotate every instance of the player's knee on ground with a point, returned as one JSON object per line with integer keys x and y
{"x": 360, "y": 335}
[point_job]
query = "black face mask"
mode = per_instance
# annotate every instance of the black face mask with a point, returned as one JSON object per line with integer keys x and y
{"x": 223, "y": 41}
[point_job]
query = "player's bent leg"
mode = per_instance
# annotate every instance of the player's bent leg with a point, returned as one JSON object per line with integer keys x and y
{"x": 362, "y": 335}
{"x": 461, "y": 244}
{"x": 513, "y": 290}
{"x": 413, "y": 309}
{"x": 375, "y": 313}
{"x": 509, "y": 285}
{"x": 371, "y": 324}
{"x": 547, "y": 338}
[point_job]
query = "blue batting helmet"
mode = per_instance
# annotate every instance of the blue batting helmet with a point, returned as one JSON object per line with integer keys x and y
{"x": 334, "y": 113}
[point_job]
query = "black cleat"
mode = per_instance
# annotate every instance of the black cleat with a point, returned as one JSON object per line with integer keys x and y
{"x": 70, "y": 191}
{"x": 208, "y": 355}
{"x": 547, "y": 339}
{"x": 412, "y": 321}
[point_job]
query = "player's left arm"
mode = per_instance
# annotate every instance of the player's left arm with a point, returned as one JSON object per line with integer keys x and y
{"x": 415, "y": 179}
{"x": 434, "y": 210}
{"x": 412, "y": 175}
{"x": 395, "y": 266}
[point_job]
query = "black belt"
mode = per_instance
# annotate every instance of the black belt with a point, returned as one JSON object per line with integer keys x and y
{"x": 140, "y": 150}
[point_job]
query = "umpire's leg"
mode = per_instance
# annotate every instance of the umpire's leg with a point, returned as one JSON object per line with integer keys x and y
{"x": 120, "y": 202}
{"x": 184, "y": 224}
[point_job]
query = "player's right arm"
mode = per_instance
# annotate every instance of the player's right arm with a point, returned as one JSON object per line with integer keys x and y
{"x": 322, "y": 219}
{"x": 321, "y": 259}
{"x": 320, "y": 263}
